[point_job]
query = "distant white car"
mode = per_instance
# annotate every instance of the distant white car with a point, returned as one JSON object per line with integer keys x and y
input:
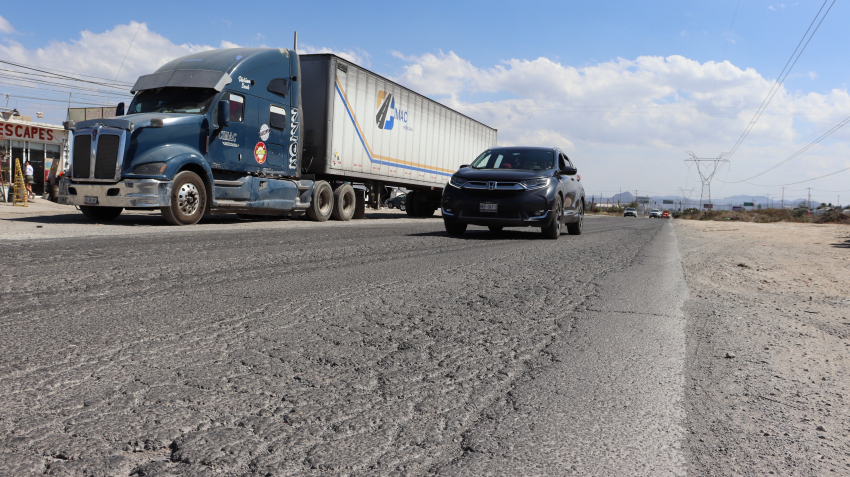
{"x": 655, "y": 213}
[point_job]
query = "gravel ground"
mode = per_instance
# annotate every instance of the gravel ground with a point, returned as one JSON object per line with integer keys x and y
{"x": 768, "y": 340}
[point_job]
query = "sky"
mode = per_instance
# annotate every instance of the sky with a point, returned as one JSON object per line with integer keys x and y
{"x": 625, "y": 88}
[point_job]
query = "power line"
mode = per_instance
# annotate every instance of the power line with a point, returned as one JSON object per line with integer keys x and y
{"x": 64, "y": 77}
{"x": 798, "y": 153}
{"x": 782, "y": 76}
{"x": 801, "y": 182}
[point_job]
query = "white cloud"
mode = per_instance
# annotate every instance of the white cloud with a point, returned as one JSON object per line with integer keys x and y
{"x": 771, "y": 8}
{"x": 644, "y": 111}
{"x": 813, "y": 75}
{"x": 356, "y": 55}
{"x": 5, "y": 26}
{"x": 101, "y": 54}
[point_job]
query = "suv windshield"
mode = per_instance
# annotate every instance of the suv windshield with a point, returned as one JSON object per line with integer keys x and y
{"x": 173, "y": 100}
{"x": 516, "y": 158}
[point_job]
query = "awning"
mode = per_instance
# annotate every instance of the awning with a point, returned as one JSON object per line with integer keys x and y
{"x": 216, "y": 80}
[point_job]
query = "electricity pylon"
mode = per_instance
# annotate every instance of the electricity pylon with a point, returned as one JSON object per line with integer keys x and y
{"x": 707, "y": 167}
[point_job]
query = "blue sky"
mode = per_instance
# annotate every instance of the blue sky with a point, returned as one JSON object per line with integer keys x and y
{"x": 461, "y": 53}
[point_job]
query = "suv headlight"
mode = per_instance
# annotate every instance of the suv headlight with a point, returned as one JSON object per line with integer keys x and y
{"x": 150, "y": 169}
{"x": 457, "y": 182}
{"x": 535, "y": 183}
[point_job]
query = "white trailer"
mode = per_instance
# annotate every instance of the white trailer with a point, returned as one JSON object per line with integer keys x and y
{"x": 363, "y": 128}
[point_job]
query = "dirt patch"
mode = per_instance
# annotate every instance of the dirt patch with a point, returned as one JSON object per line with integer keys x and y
{"x": 768, "y": 388}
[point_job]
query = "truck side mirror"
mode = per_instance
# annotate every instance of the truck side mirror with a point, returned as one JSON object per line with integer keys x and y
{"x": 570, "y": 171}
{"x": 462, "y": 166}
{"x": 119, "y": 110}
{"x": 223, "y": 115}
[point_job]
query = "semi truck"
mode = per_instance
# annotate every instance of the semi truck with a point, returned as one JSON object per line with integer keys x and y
{"x": 266, "y": 131}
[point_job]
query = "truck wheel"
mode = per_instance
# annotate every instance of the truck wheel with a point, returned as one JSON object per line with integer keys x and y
{"x": 575, "y": 227}
{"x": 455, "y": 229}
{"x": 188, "y": 200}
{"x": 553, "y": 230}
{"x": 321, "y": 203}
{"x": 101, "y": 214}
{"x": 410, "y": 203}
{"x": 344, "y": 202}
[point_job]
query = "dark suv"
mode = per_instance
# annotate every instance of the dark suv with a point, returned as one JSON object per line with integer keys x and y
{"x": 516, "y": 187}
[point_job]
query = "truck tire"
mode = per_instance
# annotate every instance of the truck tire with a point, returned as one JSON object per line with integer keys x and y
{"x": 100, "y": 214}
{"x": 410, "y": 203}
{"x": 575, "y": 227}
{"x": 188, "y": 200}
{"x": 344, "y": 203}
{"x": 321, "y": 202}
{"x": 553, "y": 230}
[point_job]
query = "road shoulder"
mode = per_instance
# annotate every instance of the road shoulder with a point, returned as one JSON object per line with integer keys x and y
{"x": 768, "y": 333}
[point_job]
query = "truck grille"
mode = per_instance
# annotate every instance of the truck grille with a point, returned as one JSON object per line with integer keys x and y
{"x": 106, "y": 157}
{"x": 82, "y": 156}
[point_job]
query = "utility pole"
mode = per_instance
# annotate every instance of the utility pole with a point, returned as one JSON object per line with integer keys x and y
{"x": 783, "y": 197}
{"x": 809, "y": 201}
{"x": 707, "y": 167}
{"x": 768, "y": 201}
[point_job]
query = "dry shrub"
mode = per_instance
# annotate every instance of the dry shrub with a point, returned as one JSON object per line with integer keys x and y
{"x": 761, "y": 216}
{"x": 832, "y": 217}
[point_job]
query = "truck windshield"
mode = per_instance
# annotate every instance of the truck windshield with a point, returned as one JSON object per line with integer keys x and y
{"x": 173, "y": 100}
{"x": 516, "y": 158}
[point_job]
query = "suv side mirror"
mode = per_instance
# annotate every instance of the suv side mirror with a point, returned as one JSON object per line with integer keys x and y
{"x": 119, "y": 110}
{"x": 223, "y": 114}
{"x": 570, "y": 171}
{"x": 462, "y": 166}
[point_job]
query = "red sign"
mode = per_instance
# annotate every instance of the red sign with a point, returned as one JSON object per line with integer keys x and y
{"x": 23, "y": 132}
{"x": 707, "y": 206}
{"x": 260, "y": 153}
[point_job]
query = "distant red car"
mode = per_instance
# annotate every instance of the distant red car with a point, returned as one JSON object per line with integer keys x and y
{"x": 665, "y": 214}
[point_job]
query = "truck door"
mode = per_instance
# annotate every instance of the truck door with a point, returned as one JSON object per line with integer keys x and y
{"x": 274, "y": 130}
{"x": 232, "y": 148}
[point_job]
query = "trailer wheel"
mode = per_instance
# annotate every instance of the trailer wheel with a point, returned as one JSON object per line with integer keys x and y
{"x": 321, "y": 203}
{"x": 100, "y": 214}
{"x": 344, "y": 202}
{"x": 188, "y": 200}
{"x": 410, "y": 203}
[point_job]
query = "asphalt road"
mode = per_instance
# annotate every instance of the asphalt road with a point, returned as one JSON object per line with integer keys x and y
{"x": 372, "y": 348}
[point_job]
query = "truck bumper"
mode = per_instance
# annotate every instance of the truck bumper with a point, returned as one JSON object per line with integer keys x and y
{"x": 128, "y": 193}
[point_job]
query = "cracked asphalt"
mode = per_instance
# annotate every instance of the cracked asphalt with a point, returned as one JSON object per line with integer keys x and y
{"x": 378, "y": 347}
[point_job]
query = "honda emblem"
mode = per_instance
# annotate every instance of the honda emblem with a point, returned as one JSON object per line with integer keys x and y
{"x": 491, "y": 185}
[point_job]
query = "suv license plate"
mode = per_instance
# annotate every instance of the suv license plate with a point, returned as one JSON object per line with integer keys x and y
{"x": 489, "y": 207}
{"x": 89, "y": 200}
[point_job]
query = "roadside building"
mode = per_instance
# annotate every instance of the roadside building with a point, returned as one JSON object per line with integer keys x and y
{"x": 43, "y": 145}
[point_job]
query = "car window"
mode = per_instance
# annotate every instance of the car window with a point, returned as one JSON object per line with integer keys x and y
{"x": 516, "y": 158}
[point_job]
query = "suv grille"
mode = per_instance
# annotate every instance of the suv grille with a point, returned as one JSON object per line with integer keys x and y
{"x": 82, "y": 156}
{"x": 106, "y": 157}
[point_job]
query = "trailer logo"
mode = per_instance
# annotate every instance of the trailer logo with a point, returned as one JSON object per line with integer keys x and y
{"x": 387, "y": 112}
{"x": 293, "y": 139}
{"x": 260, "y": 153}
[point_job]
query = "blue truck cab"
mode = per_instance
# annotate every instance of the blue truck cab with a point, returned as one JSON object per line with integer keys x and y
{"x": 216, "y": 131}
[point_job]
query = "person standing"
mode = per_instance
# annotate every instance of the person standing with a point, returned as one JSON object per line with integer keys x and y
{"x": 29, "y": 179}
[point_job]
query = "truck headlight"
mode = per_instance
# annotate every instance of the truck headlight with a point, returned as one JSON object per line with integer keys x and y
{"x": 457, "y": 182}
{"x": 150, "y": 169}
{"x": 535, "y": 183}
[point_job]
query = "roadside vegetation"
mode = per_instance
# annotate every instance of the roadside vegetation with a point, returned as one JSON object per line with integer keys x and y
{"x": 766, "y": 216}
